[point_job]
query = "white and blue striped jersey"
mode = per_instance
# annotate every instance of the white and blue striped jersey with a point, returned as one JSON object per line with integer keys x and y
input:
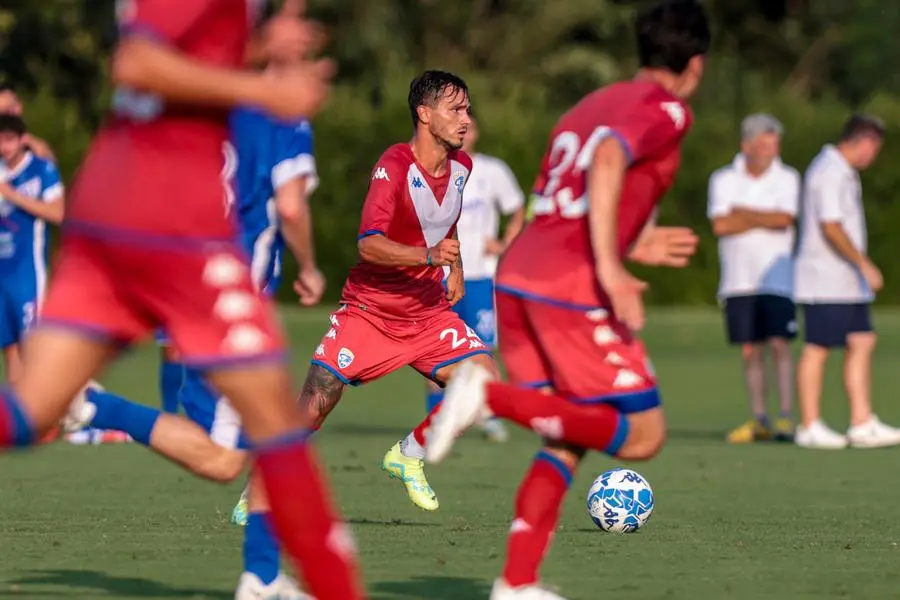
{"x": 23, "y": 237}
{"x": 269, "y": 153}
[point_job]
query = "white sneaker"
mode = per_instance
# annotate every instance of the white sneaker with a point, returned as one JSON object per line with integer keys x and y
{"x": 250, "y": 587}
{"x": 81, "y": 412}
{"x": 819, "y": 436}
{"x": 494, "y": 430}
{"x": 873, "y": 434}
{"x": 463, "y": 406}
{"x": 502, "y": 591}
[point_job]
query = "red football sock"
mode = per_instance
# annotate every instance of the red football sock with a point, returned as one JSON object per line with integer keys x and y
{"x": 419, "y": 431}
{"x": 307, "y": 524}
{"x": 537, "y": 512}
{"x": 593, "y": 426}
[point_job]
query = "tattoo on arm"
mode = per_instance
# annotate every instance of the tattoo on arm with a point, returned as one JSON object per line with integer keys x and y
{"x": 321, "y": 393}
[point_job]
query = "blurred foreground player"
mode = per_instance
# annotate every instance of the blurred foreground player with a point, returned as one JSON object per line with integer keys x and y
{"x": 395, "y": 311}
{"x": 570, "y": 331}
{"x": 275, "y": 174}
{"x": 148, "y": 244}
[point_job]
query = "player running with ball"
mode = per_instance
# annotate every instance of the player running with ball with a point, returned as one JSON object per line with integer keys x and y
{"x": 567, "y": 308}
{"x": 395, "y": 311}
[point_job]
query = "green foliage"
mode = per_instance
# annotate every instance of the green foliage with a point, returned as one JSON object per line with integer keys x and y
{"x": 526, "y": 61}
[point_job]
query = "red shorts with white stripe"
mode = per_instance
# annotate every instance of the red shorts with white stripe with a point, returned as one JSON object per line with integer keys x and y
{"x": 200, "y": 293}
{"x": 582, "y": 354}
{"x": 361, "y": 347}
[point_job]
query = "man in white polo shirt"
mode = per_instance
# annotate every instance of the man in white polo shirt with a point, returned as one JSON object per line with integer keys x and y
{"x": 752, "y": 206}
{"x": 835, "y": 282}
{"x": 491, "y": 191}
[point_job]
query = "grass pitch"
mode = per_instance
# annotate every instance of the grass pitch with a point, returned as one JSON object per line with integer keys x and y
{"x": 764, "y": 521}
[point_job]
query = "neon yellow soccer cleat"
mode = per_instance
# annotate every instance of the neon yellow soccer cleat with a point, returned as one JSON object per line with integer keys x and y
{"x": 241, "y": 511}
{"x": 411, "y": 472}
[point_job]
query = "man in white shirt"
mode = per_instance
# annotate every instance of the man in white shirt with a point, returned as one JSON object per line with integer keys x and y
{"x": 492, "y": 191}
{"x": 835, "y": 282}
{"x": 752, "y": 207}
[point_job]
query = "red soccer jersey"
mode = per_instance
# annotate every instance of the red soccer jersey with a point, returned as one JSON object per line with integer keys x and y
{"x": 552, "y": 258}
{"x": 158, "y": 167}
{"x": 410, "y": 207}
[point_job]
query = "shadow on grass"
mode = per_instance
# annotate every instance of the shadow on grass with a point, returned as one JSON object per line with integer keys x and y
{"x": 94, "y": 584}
{"x": 431, "y": 587}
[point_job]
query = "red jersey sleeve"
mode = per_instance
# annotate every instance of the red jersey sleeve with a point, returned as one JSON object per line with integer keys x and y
{"x": 163, "y": 20}
{"x": 384, "y": 194}
{"x": 653, "y": 128}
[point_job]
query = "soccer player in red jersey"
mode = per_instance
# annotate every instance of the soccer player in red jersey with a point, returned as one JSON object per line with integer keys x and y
{"x": 395, "y": 310}
{"x": 568, "y": 310}
{"x": 147, "y": 244}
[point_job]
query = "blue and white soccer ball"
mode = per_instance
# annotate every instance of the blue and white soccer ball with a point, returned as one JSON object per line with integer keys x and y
{"x": 620, "y": 501}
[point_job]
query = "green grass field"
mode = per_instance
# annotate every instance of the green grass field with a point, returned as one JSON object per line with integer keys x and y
{"x": 767, "y": 521}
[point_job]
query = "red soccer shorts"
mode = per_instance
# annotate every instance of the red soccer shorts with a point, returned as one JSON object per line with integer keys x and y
{"x": 582, "y": 354}
{"x": 201, "y": 294}
{"x": 361, "y": 347}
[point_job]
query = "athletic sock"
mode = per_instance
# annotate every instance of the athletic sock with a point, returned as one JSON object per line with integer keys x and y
{"x": 15, "y": 427}
{"x": 538, "y": 504}
{"x": 594, "y": 426}
{"x": 171, "y": 377}
{"x": 433, "y": 399}
{"x": 261, "y": 555}
{"x": 418, "y": 433}
{"x": 305, "y": 520}
{"x": 115, "y": 412}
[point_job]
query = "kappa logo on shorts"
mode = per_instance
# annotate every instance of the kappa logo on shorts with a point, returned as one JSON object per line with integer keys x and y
{"x": 320, "y": 350}
{"x": 234, "y": 305}
{"x": 598, "y": 315}
{"x": 223, "y": 270}
{"x": 604, "y": 336}
{"x": 244, "y": 338}
{"x": 345, "y": 357}
{"x": 627, "y": 379}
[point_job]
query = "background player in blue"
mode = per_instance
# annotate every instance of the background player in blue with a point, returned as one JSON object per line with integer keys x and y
{"x": 273, "y": 170}
{"x": 31, "y": 195}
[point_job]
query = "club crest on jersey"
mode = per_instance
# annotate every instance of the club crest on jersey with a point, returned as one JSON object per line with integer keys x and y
{"x": 345, "y": 357}
{"x": 459, "y": 182}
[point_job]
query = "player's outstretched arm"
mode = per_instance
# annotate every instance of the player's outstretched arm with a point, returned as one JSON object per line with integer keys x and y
{"x": 149, "y": 66}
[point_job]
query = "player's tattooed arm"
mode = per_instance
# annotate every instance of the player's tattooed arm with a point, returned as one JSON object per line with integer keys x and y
{"x": 321, "y": 393}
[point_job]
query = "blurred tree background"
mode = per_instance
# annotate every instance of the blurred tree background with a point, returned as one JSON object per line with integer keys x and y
{"x": 809, "y": 62}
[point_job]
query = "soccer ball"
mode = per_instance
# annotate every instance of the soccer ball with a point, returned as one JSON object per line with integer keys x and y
{"x": 620, "y": 501}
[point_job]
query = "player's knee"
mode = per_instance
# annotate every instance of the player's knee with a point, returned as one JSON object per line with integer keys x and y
{"x": 751, "y": 352}
{"x": 862, "y": 342}
{"x": 779, "y": 346}
{"x": 646, "y": 435}
{"x": 321, "y": 393}
{"x": 567, "y": 454}
{"x": 487, "y": 361}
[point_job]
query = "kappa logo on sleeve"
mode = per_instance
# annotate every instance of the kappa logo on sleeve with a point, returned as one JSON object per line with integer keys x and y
{"x": 380, "y": 173}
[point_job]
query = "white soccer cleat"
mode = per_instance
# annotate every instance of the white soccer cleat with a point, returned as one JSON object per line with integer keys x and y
{"x": 819, "y": 436}
{"x": 250, "y": 587}
{"x": 873, "y": 434}
{"x": 463, "y": 406}
{"x": 81, "y": 412}
{"x": 502, "y": 591}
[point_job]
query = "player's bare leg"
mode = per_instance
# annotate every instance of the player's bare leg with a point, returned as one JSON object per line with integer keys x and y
{"x": 866, "y": 429}
{"x": 12, "y": 363}
{"x": 36, "y": 402}
{"x": 302, "y": 512}
{"x": 812, "y": 432}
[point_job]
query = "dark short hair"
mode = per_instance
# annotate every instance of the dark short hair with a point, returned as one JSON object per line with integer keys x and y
{"x": 12, "y": 124}
{"x": 6, "y": 87}
{"x": 671, "y": 33}
{"x": 860, "y": 125}
{"x": 428, "y": 87}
